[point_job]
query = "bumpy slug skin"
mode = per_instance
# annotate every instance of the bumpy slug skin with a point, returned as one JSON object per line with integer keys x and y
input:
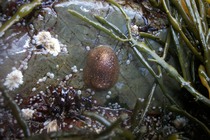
{"x": 102, "y": 68}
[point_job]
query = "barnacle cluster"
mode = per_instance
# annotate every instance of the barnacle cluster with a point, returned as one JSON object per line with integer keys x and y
{"x": 14, "y": 79}
{"x": 66, "y": 101}
{"x": 49, "y": 43}
{"x": 58, "y": 103}
{"x": 62, "y": 109}
{"x": 58, "y": 108}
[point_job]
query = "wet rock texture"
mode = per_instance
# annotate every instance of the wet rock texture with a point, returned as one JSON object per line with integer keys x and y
{"x": 113, "y": 68}
{"x": 76, "y": 38}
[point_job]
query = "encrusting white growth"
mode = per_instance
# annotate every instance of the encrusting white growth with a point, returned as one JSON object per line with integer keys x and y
{"x": 134, "y": 29}
{"x": 14, "y": 79}
{"x": 53, "y": 46}
{"x": 52, "y": 126}
{"x": 27, "y": 113}
{"x": 50, "y": 43}
{"x": 42, "y": 37}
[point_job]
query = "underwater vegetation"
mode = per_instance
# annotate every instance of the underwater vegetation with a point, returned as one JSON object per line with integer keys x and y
{"x": 121, "y": 70}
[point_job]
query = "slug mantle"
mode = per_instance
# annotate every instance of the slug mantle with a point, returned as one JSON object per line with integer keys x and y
{"x": 102, "y": 68}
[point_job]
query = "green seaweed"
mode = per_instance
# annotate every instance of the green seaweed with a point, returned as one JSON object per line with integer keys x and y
{"x": 141, "y": 47}
{"x": 23, "y": 11}
{"x": 16, "y": 112}
{"x": 182, "y": 112}
{"x": 200, "y": 31}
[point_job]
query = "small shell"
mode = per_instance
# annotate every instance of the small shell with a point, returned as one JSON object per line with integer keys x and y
{"x": 102, "y": 68}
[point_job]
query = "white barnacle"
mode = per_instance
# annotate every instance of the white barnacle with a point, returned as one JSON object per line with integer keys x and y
{"x": 42, "y": 37}
{"x": 79, "y": 92}
{"x": 74, "y": 69}
{"x": 33, "y": 89}
{"x": 108, "y": 96}
{"x": 52, "y": 126}
{"x": 134, "y": 29}
{"x": 27, "y": 113}
{"x": 128, "y": 62}
{"x": 109, "y": 92}
{"x": 14, "y": 79}
{"x": 53, "y": 46}
{"x": 87, "y": 48}
{"x": 50, "y": 75}
{"x": 180, "y": 122}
